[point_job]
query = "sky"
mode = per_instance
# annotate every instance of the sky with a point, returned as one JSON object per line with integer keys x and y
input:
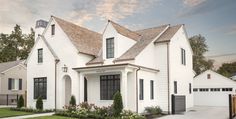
{"x": 213, "y": 19}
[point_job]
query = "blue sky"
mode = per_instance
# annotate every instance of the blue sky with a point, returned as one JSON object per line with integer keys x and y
{"x": 214, "y": 19}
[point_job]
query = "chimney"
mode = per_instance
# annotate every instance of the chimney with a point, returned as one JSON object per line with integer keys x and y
{"x": 39, "y": 28}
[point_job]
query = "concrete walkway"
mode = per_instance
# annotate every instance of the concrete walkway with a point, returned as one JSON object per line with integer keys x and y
{"x": 202, "y": 112}
{"x": 30, "y": 116}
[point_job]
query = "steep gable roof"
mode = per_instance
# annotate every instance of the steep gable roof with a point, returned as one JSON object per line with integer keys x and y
{"x": 7, "y": 65}
{"x": 168, "y": 34}
{"x": 125, "y": 32}
{"x": 86, "y": 41}
{"x": 147, "y": 36}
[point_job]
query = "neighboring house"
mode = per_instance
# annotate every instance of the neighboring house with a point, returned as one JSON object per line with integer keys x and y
{"x": 12, "y": 80}
{"x": 147, "y": 66}
{"x": 212, "y": 89}
{"x": 233, "y": 77}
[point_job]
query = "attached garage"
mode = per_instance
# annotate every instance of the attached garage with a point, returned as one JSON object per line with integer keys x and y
{"x": 212, "y": 89}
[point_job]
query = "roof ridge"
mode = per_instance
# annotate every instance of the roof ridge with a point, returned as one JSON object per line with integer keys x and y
{"x": 75, "y": 24}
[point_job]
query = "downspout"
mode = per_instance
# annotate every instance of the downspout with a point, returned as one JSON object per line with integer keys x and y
{"x": 168, "y": 76}
{"x": 56, "y": 62}
{"x": 137, "y": 89}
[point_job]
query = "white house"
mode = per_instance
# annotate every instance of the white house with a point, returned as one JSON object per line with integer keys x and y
{"x": 212, "y": 89}
{"x": 147, "y": 66}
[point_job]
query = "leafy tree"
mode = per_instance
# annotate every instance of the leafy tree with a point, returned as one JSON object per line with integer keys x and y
{"x": 39, "y": 103}
{"x": 117, "y": 104}
{"x": 72, "y": 100}
{"x": 20, "y": 102}
{"x": 15, "y": 45}
{"x": 199, "y": 47}
{"x": 227, "y": 69}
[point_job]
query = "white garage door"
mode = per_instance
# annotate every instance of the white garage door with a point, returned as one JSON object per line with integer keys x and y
{"x": 212, "y": 97}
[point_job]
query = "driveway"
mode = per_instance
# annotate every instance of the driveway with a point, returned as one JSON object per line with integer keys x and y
{"x": 202, "y": 112}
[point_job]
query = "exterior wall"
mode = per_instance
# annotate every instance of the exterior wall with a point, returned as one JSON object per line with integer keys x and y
{"x": 216, "y": 81}
{"x": 179, "y": 72}
{"x": 17, "y": 72}
{"x": 121, "y": 43}
{"x": 45, "y": 69}
{"x": 147, "y": 76}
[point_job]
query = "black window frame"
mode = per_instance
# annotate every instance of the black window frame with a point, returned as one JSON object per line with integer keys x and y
{"x": 183, "y": 56}
{"x": 195, "y": 90}
{"x": 175, "y": 87}
{"x": 40, "y": 87}
{"x": 151, "y": 89}
{"x": 190, "y": 88}
{"x": 40, "y": 55}
{"x": 53, "y": 29}
{"x": 141, "y": 89}
{"x": 109, "y": 85}
{"x": 110, "y": 48}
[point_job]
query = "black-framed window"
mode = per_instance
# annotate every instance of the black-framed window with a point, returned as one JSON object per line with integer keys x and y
{"x": 40, "y": 55}
{"x": 195, "y": 90}
{"x": 190, "y": 88}
{"x": 40, "y": 87}
{"x": 141, "y": 92}
{"x": 110, "y": 48}
{"x": 53, "y": 29}
{"x": 183, "y": 56}
{"x": 109, "y": 85}
{"x": 151, "y": 89}
{"x": 175, "y": 87}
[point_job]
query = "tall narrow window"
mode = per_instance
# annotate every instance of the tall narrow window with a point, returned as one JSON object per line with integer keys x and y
{"x": 151, "y": 89}
{"x": 20, "y": 84}
{"x": 110, "y": 48}
{"x": 109, "y": 85}
{"x": 40, "y": 55}
{"x": 183, "y": 56}
{"x": 190, "y": 88}
{"x": 140, "y": 89}
{"x": 53, "y": 29}
{"x": 175, "y": 87}
{"x": 40, "y": 88}
{"x": 208, "y": 76}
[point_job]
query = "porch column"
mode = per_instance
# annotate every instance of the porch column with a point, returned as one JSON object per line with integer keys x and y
{"x": 124, "y": 88}
{"x": 81, "y": 87}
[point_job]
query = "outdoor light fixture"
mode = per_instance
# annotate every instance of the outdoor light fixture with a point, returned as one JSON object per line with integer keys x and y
{"x": 64, "y": 68}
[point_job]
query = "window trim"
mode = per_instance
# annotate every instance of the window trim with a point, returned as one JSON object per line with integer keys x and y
{"x": 44, "y": 88}
{"x": 110, "y": 51}
{"x": 40, "y": 56}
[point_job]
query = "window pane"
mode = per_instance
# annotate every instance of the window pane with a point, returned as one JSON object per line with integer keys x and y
{"x": 109, "y": 85}
{"x": 141, "y": 89}
{"x": 110, "y": 48}
{"x": 40, "y": 88}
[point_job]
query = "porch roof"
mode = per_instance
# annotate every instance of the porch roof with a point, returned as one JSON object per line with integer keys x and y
{"x": 115, "y": 65}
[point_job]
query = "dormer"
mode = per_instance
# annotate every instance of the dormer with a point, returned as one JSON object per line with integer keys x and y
{"x": 117, "y": 40}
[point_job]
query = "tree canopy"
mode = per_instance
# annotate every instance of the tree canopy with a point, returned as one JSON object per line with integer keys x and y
{"x": 227, "y": 69}
{"x": 15, "y": 45}
{"x": 199, "y": 47}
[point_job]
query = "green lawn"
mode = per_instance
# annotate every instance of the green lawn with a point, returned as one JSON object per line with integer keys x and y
{"x": 51, "y": 117}
{"x": 6, "y": 112}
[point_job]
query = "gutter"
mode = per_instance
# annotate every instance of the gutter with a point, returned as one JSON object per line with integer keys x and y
{"x": 168, "y": 76}
{"x": 56, "y": 62}
{"x": 137, "y": 95}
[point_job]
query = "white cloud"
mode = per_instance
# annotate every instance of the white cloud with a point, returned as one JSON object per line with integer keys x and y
{"x": 193, "y": 3}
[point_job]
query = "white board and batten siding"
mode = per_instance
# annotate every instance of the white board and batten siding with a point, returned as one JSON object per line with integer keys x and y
{"x": 212, "y": 89}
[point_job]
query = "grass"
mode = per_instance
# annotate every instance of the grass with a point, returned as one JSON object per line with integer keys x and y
{"x": 6, "y": 112}
{"x": 51, "y": 117}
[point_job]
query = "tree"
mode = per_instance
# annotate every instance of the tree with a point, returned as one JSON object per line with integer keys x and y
{"x": 227, "y": 69}
{"x": 199, "y": 47}
{"x": 117, "y": 104}
{"x": 20, "y": 102}
{"x": 72, "y": 101}
{"x": 39, "y": 103}
{"x": 15, "y": 45}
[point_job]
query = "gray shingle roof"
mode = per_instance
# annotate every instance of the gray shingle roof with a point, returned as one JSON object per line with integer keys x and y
{"x": 7, "y": 65}
{"x": 86, "y": 41}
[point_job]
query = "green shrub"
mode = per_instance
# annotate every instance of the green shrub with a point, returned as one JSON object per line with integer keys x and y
{"x": 24, "y": 109}
{"x": 20, "y": 102}
{"x": 154, "y": 110}
{"x": 73, "y": 100}
{"x": 39, "y": 103}
{"x": 117, "y": 104}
